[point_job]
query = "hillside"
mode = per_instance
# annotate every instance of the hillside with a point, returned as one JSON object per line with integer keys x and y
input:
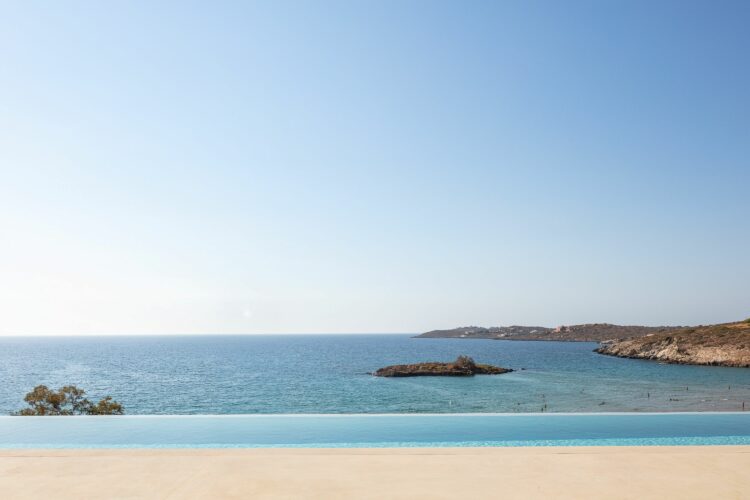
{"x": 725, "y": 345}
{"x": 593, "y": 332}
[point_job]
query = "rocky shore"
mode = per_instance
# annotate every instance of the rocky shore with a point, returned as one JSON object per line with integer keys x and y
{"x": 719, "y": 345}
{"x": 463, "y": 366}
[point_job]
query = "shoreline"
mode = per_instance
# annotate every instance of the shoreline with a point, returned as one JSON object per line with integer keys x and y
{"x": 610, "y": 349}
{"x": 521, "y": 472}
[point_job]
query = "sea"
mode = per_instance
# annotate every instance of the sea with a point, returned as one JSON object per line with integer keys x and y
{"x": 330, "y": 374}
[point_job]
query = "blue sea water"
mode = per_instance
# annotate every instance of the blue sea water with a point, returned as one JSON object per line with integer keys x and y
{"x": 322, "y": 374}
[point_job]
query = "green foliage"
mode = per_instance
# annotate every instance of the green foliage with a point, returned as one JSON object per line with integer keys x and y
{"x": 68, "y": 400}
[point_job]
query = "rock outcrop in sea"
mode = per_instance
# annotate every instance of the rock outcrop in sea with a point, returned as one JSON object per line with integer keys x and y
{"x": 463, "y": 366}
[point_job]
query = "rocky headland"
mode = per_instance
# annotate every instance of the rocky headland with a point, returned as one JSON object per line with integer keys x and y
{"x": 726, "y": 344}
{"x": 463, "y": 366}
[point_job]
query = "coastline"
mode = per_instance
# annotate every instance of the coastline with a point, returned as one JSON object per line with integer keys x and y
{"x": 615, "y": 352}
{"x": 551, "y": 472}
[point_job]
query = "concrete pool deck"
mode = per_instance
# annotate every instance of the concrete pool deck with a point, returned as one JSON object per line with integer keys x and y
{"x": 545, "y": 472}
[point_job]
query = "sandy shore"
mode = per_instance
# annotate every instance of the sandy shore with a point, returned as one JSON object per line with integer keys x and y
{"x": 582, "y": 472}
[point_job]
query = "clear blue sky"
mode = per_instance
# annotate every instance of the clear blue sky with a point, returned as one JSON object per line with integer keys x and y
{"x": 391, "y": 166}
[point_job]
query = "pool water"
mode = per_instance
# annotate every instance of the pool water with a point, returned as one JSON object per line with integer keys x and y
{"x": 353, "y": 431}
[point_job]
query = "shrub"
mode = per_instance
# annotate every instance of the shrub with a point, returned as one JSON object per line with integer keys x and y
{"x": 464, "y": 362}
{"x": 68, "y": 400}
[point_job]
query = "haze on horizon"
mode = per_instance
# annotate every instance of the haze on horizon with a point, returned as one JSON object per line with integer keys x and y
{"x": 235, "y": 167}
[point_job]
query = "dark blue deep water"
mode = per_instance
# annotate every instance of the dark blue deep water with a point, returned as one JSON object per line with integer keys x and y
{"x": 328, "y": 374}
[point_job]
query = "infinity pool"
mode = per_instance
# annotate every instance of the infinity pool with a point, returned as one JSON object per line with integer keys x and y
{"x": 352, "y": 431}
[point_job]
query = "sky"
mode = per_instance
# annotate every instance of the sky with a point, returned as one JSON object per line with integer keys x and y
{"x": 372, "y": 166}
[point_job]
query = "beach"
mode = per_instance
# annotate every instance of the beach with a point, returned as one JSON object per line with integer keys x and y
{"x": 523, "y": 472}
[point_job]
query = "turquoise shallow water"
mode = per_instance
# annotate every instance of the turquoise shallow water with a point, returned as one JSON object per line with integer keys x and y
{"x": 351, "y": 431}
{"x": 328, "y": 374}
